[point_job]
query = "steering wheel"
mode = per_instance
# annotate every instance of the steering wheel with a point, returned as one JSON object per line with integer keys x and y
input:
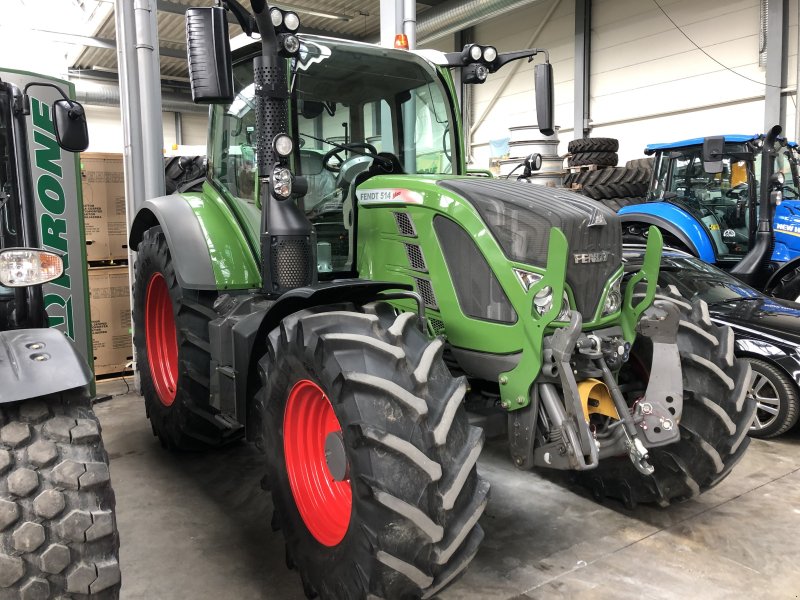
{"x": 737, "y": 191}
{"x": 335, "y": 152}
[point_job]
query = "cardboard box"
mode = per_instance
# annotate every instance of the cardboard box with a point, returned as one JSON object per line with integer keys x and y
{"x": 104, "y": 206}
{"x": 111, "y": 319}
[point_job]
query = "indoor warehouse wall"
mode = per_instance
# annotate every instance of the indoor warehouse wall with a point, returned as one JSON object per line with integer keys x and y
{"x": 105, "y": 129}
{"x": 649, "y": 83}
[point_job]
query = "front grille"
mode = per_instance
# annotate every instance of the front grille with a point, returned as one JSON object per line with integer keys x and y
{"x": 521, "y": 217}
{"x": 415, "y": 258}
{"x": 426, "y": 291}
{"x": 405, "y": 226}
{"x": 479, "y": 293}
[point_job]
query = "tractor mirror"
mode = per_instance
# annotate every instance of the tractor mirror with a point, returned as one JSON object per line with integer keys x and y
{"x": 209, "y": 52}
{"x": 69, "y": 120}
{"x": 713, "y": 148}
{"x": 543, "y": 80}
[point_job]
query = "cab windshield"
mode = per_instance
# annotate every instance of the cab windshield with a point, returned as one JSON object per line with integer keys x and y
{"x": 349, "y": 103}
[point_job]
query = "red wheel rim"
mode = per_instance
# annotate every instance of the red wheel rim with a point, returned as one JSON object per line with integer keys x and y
{"x": 162, "y": 341}
{"x": 324, "y": 504}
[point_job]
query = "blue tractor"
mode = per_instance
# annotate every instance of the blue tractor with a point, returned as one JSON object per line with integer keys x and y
{"x": 731, "y": 200}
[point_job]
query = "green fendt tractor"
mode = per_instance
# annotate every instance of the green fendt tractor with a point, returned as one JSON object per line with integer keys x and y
{"x": 340, "y": 291}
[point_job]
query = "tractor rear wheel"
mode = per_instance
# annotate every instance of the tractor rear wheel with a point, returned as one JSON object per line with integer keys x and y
{"x": 172, "y": 349}
{"x": 370, "y": 458}
{"x": 717, "y": 413}
{"x": 58, "y": 532}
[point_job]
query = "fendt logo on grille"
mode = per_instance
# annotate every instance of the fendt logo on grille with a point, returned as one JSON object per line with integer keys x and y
{"x": 591, "y": 257}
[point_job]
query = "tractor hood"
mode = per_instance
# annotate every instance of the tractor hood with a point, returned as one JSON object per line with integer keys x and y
{"x": 520, "y": 217}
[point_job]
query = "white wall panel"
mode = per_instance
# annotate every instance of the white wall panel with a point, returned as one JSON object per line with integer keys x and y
{"x": 648, "y": 82}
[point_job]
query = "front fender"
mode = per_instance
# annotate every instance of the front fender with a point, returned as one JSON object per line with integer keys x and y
{"x": 38, "y": 362}
{"x": 206, "y": 242}
{"x": 675, "y": 221}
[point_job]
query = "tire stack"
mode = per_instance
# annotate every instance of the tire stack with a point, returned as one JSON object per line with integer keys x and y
{"x": 594, "y": 173}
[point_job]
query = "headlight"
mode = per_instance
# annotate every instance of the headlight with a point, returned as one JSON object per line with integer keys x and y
{"x": 475, "y": 52}
{"x": 613, "y": 298}
{"x": 276, "y": 16}
{"x": 526, "y": 278}
{"x": 283, "y": 144}
{"x": 489, "y": 53}
{"x": 291, "y": 20}
{"x": 21, "y": 267}
{"x": 282, "y": 182}
{"x": 543, "y": 300}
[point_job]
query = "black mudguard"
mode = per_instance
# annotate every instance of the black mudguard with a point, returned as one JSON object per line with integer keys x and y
{"x": 38, "y": 362}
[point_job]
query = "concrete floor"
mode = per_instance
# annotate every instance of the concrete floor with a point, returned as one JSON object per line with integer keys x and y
{"x": 194, "y": 526}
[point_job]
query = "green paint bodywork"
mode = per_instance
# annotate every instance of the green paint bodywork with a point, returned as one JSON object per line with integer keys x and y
{"x": 382, "y": 256}
{"x": 233, "y": 259}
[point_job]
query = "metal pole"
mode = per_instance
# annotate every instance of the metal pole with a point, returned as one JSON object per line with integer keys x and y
{"x": 150, "y": 85}
{"x": 797, "y": 84}
{"x": 583, "y": 45}
{"x": 773, "y": 113}
{"x": 391, "y": 21}
{"x": 410, "y": 22}
{"x": 131, "y": 110}
{"x": 178, "y": 128}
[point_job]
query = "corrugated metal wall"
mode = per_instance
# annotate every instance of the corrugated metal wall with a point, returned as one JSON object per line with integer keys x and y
{"x": 648, "y": 82}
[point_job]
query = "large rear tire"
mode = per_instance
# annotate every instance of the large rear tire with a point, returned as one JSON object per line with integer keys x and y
{"x": 717, "y": 413}
{"x": 172, "y": 349}
{"x": 391, "y": 510}
{"x": 58, "y": 531}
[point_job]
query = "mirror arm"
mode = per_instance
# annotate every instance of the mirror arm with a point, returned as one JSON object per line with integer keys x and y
{"x": 26, "y": 101}
{"x": 242, "y": 15}
{"x": 507, "y": 57}
{"x": 269, "y": 41}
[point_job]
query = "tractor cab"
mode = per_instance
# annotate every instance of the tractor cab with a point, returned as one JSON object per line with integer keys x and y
{"x": 725, "y": 202}
{"x": 355, "y": 111}
{"x": 715, "y": 197}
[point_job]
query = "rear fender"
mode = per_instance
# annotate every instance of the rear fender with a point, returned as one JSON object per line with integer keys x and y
{"x": 675, "y": 221}
{"x": 206, "y": 242}
{"x": 39, "y": 362}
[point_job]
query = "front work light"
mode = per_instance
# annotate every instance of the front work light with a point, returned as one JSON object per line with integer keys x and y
{"x": 282, "y": 182}
{"x": 283, "y": 144}
{"x": 21, "y": 267}
{"x": 292, "y": 21}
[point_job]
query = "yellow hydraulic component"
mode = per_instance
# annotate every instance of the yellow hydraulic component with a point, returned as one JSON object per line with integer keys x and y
{"x": 596, "y": 398}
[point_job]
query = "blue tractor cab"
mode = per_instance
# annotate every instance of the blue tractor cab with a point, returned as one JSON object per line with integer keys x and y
{"x": 731, "y": 200}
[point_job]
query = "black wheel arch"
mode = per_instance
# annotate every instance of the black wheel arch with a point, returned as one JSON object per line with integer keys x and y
{"x": 250, "y": 335}
{"x": 185, "y": 238}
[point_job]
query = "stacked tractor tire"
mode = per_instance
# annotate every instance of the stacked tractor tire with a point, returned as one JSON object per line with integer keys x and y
{"x": 594, "y": 173}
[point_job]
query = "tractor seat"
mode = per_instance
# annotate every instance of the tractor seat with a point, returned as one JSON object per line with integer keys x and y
{"x": 321, "y": 182}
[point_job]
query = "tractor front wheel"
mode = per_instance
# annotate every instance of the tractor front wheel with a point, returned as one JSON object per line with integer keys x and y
{"x": 717, "y": 413}
{"x": 58, "y": 531}
{"x": 370, "y": 458}
{"x": 172, "y": 349}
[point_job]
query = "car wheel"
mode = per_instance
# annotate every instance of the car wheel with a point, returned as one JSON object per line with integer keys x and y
{"x": 777, "y": 403}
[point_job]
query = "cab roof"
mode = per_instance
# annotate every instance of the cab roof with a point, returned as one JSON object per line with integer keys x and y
{"x": 729, "y": 138}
